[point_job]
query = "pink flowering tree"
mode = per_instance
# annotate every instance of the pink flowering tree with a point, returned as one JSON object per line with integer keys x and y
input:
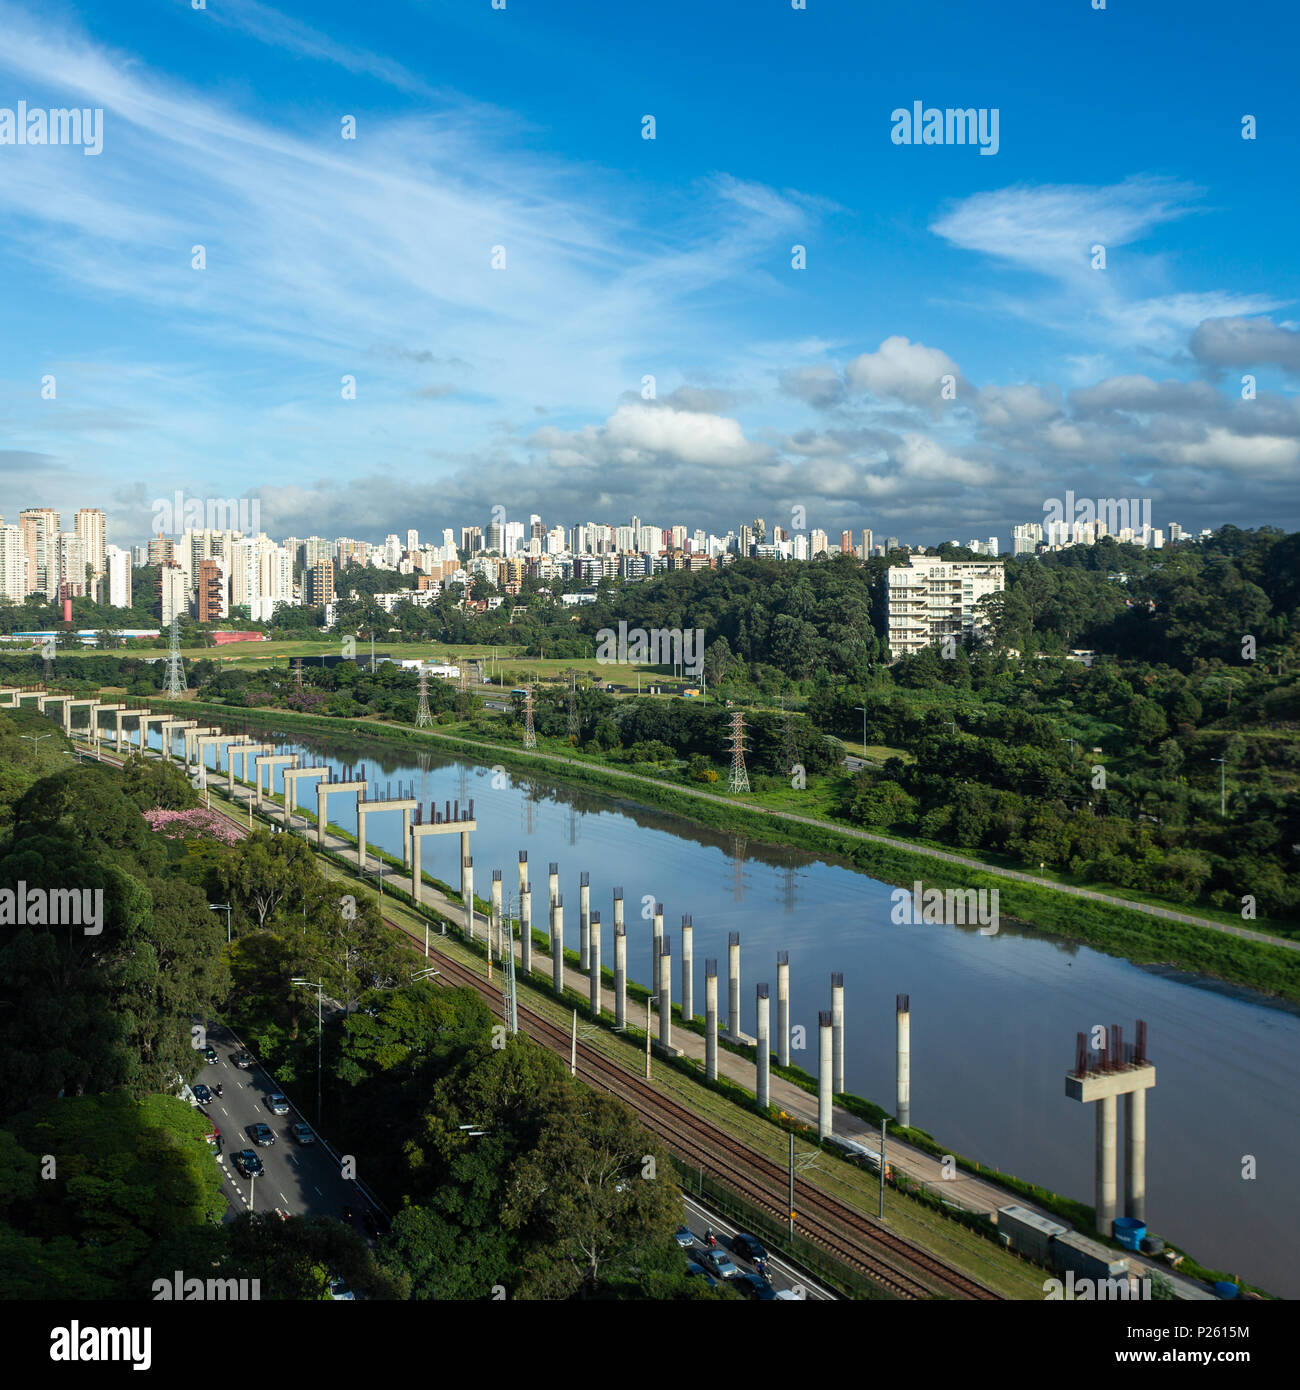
{"x": 187, "y": 825}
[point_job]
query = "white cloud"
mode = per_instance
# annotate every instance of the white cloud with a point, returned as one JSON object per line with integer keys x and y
{"x": 902, "y": 370}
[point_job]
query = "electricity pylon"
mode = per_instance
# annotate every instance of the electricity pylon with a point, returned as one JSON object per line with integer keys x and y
{"x": 530, "y": 734}
{"x": 739, "y": 779}
{"x": 422, "y": 715}
{"x": 175, "y": 666}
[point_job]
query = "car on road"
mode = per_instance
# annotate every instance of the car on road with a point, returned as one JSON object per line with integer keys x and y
{"x": 340, "y": 1292}
{"x": 202, "y": 1095}
{"x": 248, "y": 1163}
{"x": 242, "y": 1059}
{"x": 261, "y": 1134}
{"x": 302, "y": 1133}
{"x": 795, "y": 1295}
{"x": 749, "y": 1246}
{"x": 756, "y": 1287}
{"x": 719, "y": 1263}
{"x": 684, "y": 1237}
{"x": 209, "y": 1054}
{"x": 693, "y": 1269}
{"x": 369, "y": 1223}
{"x": 277, "y": 1104}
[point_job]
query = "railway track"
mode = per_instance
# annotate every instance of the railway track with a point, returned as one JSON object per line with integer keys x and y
{"x": 884, "y": 1257}
{"x": 862, "y": 1244}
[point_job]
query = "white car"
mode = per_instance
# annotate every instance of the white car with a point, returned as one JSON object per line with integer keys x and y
{"x": 340, "y": 1292}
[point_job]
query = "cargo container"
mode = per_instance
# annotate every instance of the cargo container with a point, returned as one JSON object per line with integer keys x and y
{"x": 1029, "y": 1233}
{"x": 1087, "y": 1257}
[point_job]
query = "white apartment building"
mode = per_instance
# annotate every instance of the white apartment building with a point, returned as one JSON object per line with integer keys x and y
{"x": 173, "y": 601}
{"x": 72, "y": 564}
{"x": 261, "y": 576}
{"x": 92, "y": 533}
{"x": 931, "y": 598}
{"x": 117, "y": 570}
{"x": 1025, "y": 538}
{"x": 13, "y": 564}
{"x": 818, "y": 544}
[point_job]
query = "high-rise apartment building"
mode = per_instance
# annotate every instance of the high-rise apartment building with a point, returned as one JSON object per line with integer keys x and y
{"x": 162, "y": 551}
{"x": 13, "y": 564}
{"x": 117, "y": 572}
{"x": 931, "y": 598}
{"x": 846, "y": 542}
{"x": 40, "y": 528}
{"x": 818, "y": 544}
{"x": 867, "y": 541}
{"x": 74, "y": 575}
{"x": 171, "y": 593}
{"x": 320, "y": 585}
{"x": 210, "y": 591}
{"x": 1026, "y": 538}
{"x": 92, "y": 533}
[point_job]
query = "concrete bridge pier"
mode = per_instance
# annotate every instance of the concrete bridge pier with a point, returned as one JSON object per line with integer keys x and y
{"x": 557, "y": 945}
{"x": 783, "y": 1008}
{"x": 620, "y": 974}
{"x": 711, "y": 1018}
{"x": 688, "y": 968}
{"x": 837, "y": 1029}
{"x": 584, "y": 920}
{"x": 825, "y": 1063}
{"x": 526, "y": 927}
{"x": 903, "y": 1104}
{"x": 763, "y": 1052}
{"x": 733, "y": 986}
{"x": 593, "y": 962}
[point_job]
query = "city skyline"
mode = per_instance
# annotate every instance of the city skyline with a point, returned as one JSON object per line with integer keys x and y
{"x": 645, "y": 340}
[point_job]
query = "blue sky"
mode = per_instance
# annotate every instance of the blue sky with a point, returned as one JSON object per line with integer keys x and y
{"x": 626, "y": 258}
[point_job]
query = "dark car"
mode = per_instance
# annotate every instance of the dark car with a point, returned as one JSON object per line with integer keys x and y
{"x": 749, "y": 1246}
{"x": 209, "y": 1053}
{"x": 302, "y": 1133}
{"x": 261, "y": 1134}
{"x": 247, "y": 1162}
{"x": 202, "y": 1095}
{"x": 277, "y": 1104}
{"x": 370, "y": 1223}
{"x": 243, "y": 1060}
{"x": 753, "y": 1286}
{"x": 693, "y": 1269}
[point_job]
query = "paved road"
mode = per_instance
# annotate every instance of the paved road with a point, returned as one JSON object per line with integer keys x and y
{"x": 300, "y": 1179}
{"x": 781, "y": 1275}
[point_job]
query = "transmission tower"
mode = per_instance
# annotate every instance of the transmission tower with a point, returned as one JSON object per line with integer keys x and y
{"x": 573, "y": 704}
{"x": 175, "y": 666}
{"x": 422, "y": 715}
{"x": 739, "y": 779}
{"x": 530, "y": 735}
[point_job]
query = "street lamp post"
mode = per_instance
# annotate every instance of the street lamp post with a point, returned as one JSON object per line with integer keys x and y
{"x": 218, "y": 907}
{"x": 320, "y": 1027}
{"x": 35, "y": 740}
